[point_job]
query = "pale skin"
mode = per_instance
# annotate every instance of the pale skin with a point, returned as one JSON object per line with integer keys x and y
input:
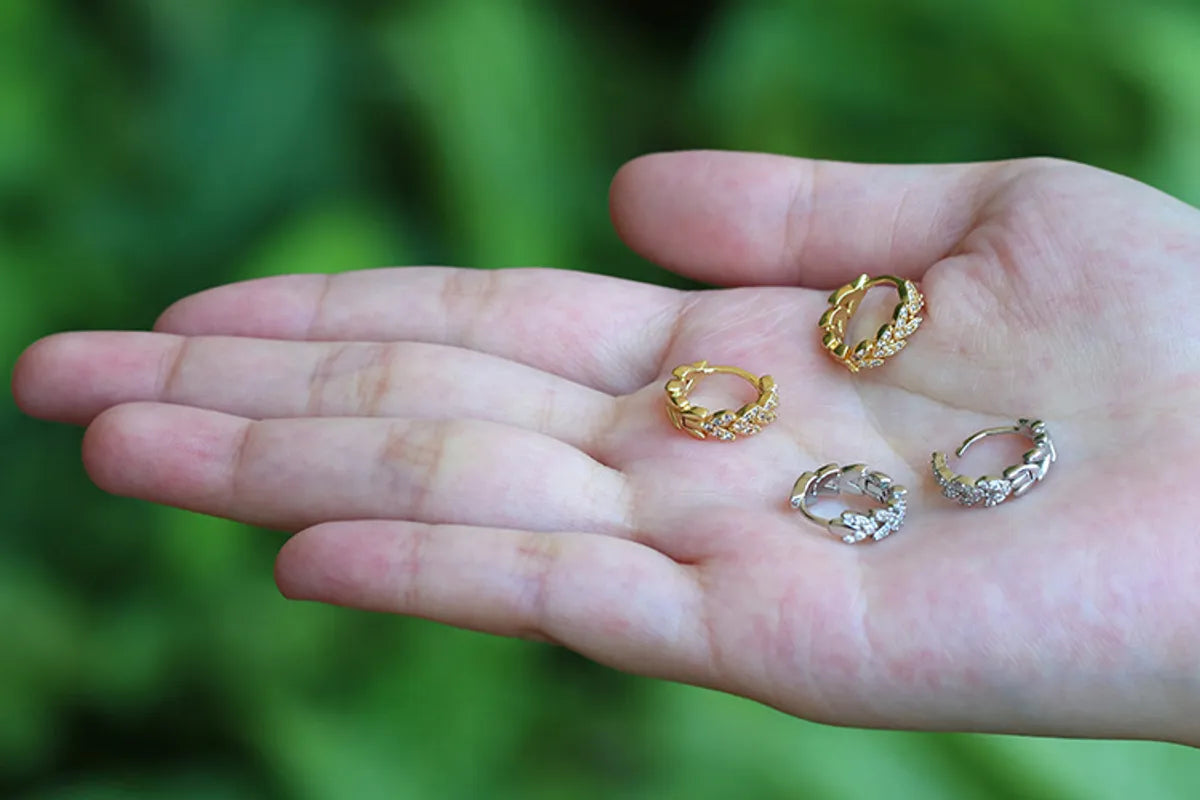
{"x": 489, "y": 449}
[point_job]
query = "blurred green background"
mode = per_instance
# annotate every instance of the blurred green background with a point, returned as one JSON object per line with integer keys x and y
{"x": 150, "y": 148}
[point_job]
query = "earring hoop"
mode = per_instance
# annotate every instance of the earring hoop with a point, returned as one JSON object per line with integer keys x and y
{"x": 1014, "y": 481}
{"x": 890, "y": 339}
{"x": 853, "y": 527}
{"x": 724, "y": 425}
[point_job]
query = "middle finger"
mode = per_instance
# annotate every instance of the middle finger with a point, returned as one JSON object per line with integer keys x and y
{"x": 292, "y": 473}
{"x": 75, "y": 376}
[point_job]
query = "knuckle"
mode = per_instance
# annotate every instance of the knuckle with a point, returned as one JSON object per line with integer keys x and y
{"x": 414, "y": 458}
{"x": 174, "y": 361}
{"x": 539, "y": 557}
{"x": 467, "y": 295}
{"x": 374, "y": 385}
{"x": 355, "y": 378}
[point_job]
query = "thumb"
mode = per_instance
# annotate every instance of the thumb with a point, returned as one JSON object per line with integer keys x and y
{"x": 749, "y": 218}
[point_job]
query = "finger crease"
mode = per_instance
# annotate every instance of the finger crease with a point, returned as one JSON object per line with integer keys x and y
{"x": 546, "y": 412}
{"x": 466, "y": 295}
{"x": 321, "y": 375}
{"x": 377, "y": 380}
{"x": 173, "y": 362}
{"x": 597, "y": 436}
{"x": 238, "y": 462}
{"x": 687, "y": 302}
{"x": 798, "y": 219}
{"x": 412, "y": 568}
{"x": 716, "y": 656}
{"x": 541, "y": 556}
{"x": 315, "y": 322}
{"x": 423, "y": 453}
{"x": 894, "y": 226}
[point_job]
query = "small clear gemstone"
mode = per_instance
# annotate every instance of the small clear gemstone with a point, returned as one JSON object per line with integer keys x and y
{"x": 994, "y": 491}
{"x": 745, "y": 427}
{"x": 858, "y": 522}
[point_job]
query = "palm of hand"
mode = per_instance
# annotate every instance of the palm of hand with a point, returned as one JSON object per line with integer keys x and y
{"x": 527, "y": 482}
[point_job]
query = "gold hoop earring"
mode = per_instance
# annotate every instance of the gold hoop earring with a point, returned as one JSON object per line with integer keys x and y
{"x": 724, "y": 425}
{"x": 890, "y": 339}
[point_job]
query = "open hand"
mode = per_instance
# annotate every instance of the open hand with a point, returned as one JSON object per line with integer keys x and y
{"x": 489, "y": 449}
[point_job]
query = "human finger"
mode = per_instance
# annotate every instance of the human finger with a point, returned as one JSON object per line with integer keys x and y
{"x": 598, "y": 331}
{"x": 613, "y": 600}
{"x": 291, "y": 473}
{"x": 72, "y": 377}
{"x": 752, "y": 218}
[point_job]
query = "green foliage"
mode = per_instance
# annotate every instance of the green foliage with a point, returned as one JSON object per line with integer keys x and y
{"x": 151, "y": 148}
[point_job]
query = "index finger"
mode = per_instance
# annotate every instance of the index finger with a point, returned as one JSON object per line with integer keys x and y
{"x": 603, "y": 332}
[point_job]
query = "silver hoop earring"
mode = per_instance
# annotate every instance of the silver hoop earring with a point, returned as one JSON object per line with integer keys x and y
{"x": 851, "y": 526}
{"x": 1014, "y": 482}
